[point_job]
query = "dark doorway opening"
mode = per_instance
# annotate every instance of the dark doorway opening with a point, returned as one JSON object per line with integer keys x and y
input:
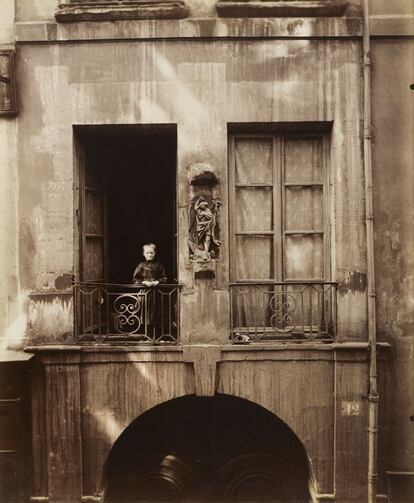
{"x": 127, "y": 182}
{"x": 200, "y": 449}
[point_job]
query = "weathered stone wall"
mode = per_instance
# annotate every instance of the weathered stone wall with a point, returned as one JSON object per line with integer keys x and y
{"x": 12, "y": 319}
{"x": 394, "y": 8}
{"x": 201, "y": 86}
{"x": 7, "y": 22}
{"x": 393, "y": 173}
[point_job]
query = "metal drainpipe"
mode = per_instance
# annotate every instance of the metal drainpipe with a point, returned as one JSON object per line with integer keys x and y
{"x": 373, "y": 396}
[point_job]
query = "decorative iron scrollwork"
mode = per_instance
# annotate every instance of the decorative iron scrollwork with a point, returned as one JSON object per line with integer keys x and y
{"x": 128, "y": 313}
{"x": 108, "y": 312}
{"x": 283, "y": 309}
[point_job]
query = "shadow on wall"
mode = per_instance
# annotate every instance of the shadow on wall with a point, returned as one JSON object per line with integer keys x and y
{"x": 202, "y": 449}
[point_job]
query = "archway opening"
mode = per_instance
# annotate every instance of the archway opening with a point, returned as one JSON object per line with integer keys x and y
{"x": 205, "y": 449}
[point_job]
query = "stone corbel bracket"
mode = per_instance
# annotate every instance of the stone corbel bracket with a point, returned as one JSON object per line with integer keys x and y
{"x": 204, "y": 358}
{"x": 121, "y": 10}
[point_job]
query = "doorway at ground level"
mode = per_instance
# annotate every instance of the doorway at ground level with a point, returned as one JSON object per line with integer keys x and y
{"x": 195, "y": 449}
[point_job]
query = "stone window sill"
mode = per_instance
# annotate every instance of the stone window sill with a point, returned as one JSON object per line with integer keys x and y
{"x": 282, "y": 8}
{"x": 121, "y": 11}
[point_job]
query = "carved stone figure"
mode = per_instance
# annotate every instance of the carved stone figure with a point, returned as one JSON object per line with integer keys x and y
{"x": 204, "y": 231}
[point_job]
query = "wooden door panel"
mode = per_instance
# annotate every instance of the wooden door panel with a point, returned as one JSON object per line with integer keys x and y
{"x": 94, "y": 212}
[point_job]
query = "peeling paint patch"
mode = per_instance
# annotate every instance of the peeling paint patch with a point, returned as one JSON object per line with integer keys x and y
{"x": 50, "y": 318}
{"x": 27, "y": 253}
{"x": 403, "y": 349}
{"x": 295, "y": 25}
{"x": 354, "y": 282}
{"x": 63, "y": 282}
{"x": 15, "y": 332}
{"x": 402, "y": 329}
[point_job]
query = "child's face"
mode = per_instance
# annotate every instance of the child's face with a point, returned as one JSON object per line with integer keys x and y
{"x": 149, "y": 253}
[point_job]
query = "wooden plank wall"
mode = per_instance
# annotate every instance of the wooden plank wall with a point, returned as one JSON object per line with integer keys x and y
{"x": 303, "y": 399}
{"x": 39, "y": 431}
{"x": 63, "y": 432}
{"x": 116, "y": 393}
{"x": 88, "y": 405}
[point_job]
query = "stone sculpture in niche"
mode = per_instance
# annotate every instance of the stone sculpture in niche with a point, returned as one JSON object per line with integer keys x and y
{"x": 204, "y": 210}
{"x": 204, "y": 243}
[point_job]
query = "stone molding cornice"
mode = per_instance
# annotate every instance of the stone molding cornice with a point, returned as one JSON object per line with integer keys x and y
{"x": 190, "y": 29}
{"x": 121, "y": 11}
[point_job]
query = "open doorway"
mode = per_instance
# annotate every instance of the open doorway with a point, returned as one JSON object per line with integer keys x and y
{"x": 208, "y": 449}
{"x": 126, "y": 198}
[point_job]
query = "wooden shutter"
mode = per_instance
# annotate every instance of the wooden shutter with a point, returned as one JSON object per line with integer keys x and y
{"x": 93, "y": 223}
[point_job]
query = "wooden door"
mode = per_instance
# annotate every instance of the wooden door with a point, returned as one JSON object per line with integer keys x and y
{"x": 11, "y": 489}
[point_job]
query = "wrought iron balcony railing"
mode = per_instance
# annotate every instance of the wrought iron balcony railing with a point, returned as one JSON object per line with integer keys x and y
{"x": 291, "y": 311}
{"x": 108, "y": 312}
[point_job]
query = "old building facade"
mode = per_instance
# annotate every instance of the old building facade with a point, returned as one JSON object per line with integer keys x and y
{"x": 267, "y": 149}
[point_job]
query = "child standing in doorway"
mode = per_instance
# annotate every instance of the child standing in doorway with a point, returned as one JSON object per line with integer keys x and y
{"x": 151, "y": 272}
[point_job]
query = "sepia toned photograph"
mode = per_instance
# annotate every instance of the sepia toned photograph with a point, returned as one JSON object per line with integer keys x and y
{"x": 206, "y": 251}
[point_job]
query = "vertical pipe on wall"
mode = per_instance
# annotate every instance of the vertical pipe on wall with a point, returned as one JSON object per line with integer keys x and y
{"x": 369, "y": 218}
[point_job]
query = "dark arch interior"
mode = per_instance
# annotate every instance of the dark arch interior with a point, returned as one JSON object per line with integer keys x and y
{"x": 200, "y": 449}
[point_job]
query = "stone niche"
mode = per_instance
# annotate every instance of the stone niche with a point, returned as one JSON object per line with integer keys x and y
{"x": 75, "y": 11}
{"x": 203, "y": 217}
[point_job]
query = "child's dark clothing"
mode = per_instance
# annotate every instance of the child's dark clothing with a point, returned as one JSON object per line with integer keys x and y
{"x": 150, "y": 270}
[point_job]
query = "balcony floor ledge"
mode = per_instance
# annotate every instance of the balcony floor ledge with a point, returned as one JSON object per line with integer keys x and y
{"x": 270, "y": 346}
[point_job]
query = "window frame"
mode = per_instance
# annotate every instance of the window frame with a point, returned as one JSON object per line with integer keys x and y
{"x": 278, "y": 187}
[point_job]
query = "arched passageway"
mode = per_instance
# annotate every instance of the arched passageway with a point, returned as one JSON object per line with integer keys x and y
{"x": 202, "y": 449}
